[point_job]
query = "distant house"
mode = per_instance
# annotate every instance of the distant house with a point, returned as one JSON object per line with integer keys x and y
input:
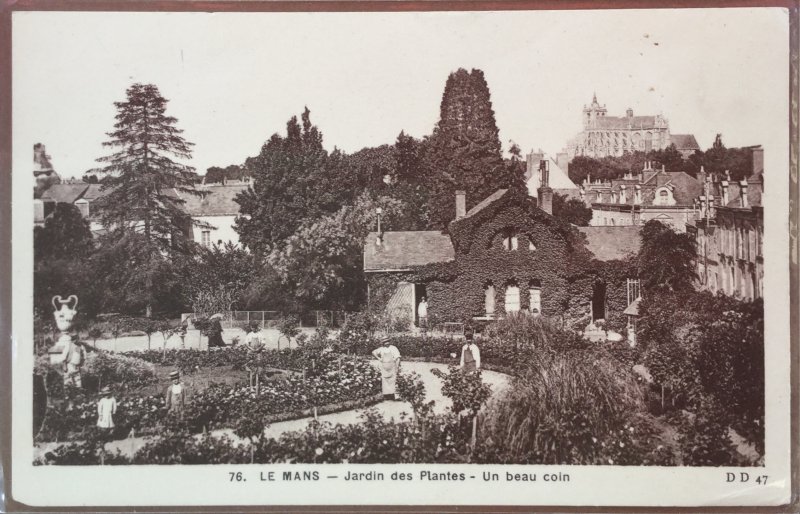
{"x": 79, "y": 194}
{"x": 217, "y": 211}
{"x": 655, "y": 193}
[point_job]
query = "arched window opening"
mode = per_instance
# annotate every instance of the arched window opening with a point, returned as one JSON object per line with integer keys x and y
{"x": 489, "y": 300}
{"x": 512, "y": 298}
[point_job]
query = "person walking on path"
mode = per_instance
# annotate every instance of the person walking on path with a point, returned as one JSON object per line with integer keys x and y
{"x": 389, "y": 357}
{"x": 175, "y": 395}
{"x": 422, "y": 313}
{"x": 215, "y": 333}
{"x": 470, "y": 355}
{"x": 106, "y": 408}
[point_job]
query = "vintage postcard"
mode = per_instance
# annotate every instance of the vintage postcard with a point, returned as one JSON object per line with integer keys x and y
{"x": 497, "y": 258}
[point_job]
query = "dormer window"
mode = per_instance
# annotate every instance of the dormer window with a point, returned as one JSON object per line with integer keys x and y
{"x": 531, "y": 246}
{"x": 511, "y": 242}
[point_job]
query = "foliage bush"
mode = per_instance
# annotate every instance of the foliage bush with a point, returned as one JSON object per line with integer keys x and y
{"x": 702, "y": 346}
{"x": 566, "y": 407}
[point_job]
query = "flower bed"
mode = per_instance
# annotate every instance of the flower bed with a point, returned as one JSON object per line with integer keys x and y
{"x": 334, "y": 379}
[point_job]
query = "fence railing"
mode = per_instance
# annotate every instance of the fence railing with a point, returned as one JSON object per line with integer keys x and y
{"x": 270, "y": 319}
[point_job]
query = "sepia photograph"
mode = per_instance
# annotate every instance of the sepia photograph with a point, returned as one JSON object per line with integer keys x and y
{"x": 499, "y": 246}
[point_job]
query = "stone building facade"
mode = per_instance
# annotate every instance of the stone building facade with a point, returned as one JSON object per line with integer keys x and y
{"x": 729, "y": 237}
{"x": 604, "y": 135}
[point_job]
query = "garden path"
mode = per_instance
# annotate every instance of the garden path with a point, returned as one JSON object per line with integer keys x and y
{"x": 389, "y": 409}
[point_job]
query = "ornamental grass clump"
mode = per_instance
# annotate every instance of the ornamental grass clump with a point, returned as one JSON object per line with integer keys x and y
{"x": 569, "y": 408}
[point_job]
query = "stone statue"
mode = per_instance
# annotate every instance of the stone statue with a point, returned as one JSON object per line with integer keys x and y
{"x": 67, "y": 351}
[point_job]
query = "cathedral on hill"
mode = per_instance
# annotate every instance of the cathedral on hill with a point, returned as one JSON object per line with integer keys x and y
{"x": 605, "y": 135}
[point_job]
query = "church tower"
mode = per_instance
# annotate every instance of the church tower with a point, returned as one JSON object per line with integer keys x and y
{"x": 592, "y": 112}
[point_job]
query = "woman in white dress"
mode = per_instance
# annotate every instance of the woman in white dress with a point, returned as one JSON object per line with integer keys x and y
{"x": 106, "y": 408}
{"x": 389, "y": 357}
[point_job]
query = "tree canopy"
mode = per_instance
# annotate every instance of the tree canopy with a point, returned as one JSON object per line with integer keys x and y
{"x": 666, "y": 258}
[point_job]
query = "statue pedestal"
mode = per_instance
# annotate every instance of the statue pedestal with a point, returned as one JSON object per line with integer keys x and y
{"x": 55, "y": 351}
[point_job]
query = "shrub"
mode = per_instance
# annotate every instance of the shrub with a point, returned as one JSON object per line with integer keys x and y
{"x": 564, "y": 408}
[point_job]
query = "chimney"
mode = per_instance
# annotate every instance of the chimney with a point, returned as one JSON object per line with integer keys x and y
{"x": 743, "y": 194}
{"x": 461, "y": 204}
{"x": 622, "y": 196}
{"x": 544, "y": 171}
{"x": 545, "y": 191}
{"x": 379, "y": 239}
{"x": 629, "y": 113}
{"x": 758, "y": 160}
{"x": 724, "y": 193}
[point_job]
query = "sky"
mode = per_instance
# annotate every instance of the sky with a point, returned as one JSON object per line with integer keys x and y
{"x": 234, "y": 79}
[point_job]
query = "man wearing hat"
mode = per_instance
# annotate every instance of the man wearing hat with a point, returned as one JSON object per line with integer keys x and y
{"x": 175, "y": 394}
{"x": 106, "y": 408}
{"x": 389, "y": 357}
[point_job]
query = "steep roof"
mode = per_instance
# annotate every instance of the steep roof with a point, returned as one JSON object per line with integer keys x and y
{"x": 610, "y": 243}
{"x": 625, "y": 122}
{"x": 64, "y": 193}
{"x": 401, "y": 250}
{"x": 219, "y": 200}
{"x": 486, "y": 202}
{"x": 93, "y": 192}
{"x": 684, "y": 141}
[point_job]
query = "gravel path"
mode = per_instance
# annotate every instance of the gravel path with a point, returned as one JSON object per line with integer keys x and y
{"x": 389, "y": 409}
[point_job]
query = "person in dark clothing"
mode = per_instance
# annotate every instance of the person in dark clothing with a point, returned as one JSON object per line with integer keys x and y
{"x": 215, "y": 334}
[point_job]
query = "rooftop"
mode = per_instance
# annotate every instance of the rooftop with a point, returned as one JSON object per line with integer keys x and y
{"x": 625, "y": 122}
{"x": 219, "y": 200}
{"x": 684, "y": 141}
{"x": 402, "y": 250}
{"x": 611, "y": 243}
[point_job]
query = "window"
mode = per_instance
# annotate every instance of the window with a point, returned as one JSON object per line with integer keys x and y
{"x": 512, "y": 298}
{"x": 510, "y": 241}
{"x": 536, "y": 300}
{"x": 489, "y": 300}
{"x": 205, "y": 238}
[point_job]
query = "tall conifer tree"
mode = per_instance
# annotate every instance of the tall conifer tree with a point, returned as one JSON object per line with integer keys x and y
{"x": 141, "y": 207}
{"x": 464, "y": 151}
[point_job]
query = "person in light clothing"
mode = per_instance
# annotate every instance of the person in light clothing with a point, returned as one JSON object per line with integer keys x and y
{"x": 389, "y": 357}
{"x": 422, "y": 312}
{"x": 470, "y": 355}
{"x": 106, "y": 408}
{"x": 175, "y": 395}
